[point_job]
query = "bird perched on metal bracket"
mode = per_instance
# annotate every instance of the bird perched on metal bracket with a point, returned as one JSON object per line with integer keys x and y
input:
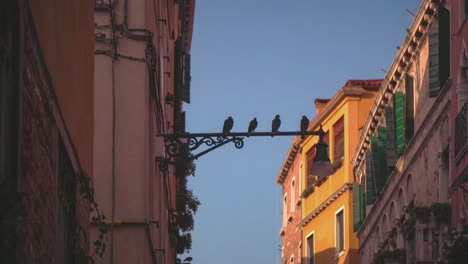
{"x": 252, "y": 125}
{"x": 228, "y": 124}
{"x": 275, "y": 124}
{"x": 304, "y": 125}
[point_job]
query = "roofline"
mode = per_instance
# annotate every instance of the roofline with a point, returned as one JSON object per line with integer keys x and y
{"x": 344, "y": 91}
{"x": 400, "y": 65}
{"x": 289, "y": 160}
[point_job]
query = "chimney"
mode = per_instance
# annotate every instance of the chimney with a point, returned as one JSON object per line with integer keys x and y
{"x": 320, "y": 104}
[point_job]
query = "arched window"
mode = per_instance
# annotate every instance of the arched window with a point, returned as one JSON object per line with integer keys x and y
{"x": 401, "y": 201}
{"x": 285, "y": 209}
{"x": 392, "y": 213}
{"x": 462, "y": 87}
{"x": 385, "y": 226}
{"x": 410, "y": 188}
{"x": 293, "y": 195}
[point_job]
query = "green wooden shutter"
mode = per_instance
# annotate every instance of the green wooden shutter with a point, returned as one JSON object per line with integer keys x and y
{"x": 434, "y": 84}
{"x": 383, "y": 169}
{"x": 439, "y": 52}
{"x": 362, "y": 202}
{"x": 391, "y": 157}
{"x": 356, "y": 205}
{"x": 178, "y": 75}
{"x": 409, "y": 95}
{"x": 370, "y": 185}
{"x": 380, "y": 168}
{"x": 444, "y": 45}
{"x": 399, "y": 106}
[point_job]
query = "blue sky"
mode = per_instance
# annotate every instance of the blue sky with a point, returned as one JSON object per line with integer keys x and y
{"x": 259, "y": 58}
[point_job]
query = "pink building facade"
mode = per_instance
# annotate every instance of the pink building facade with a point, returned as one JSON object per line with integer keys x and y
{"x": 142, "y": 63}
{"x": 402, "y": 158}
{"x": 458, "y": 155}
{"x": 290, "y": 180}
{"x": 46, "y": 113}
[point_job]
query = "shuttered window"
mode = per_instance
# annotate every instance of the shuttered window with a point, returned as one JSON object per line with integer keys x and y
{"x": 381, "y": 156}
{"x": 186, "y": 79}
{"x": 400, "y": 122}
{"x": 371, "y": 194}
{"x": 310, "y": 160}
{"x": 358, "y": 205}
{"x": 178, "y": 76}
{"x": 338, "y": 145}
{"x": 465, "y": 2}
{"x": 409, "y": 96}
{"x": 181, "y": 72}
{"x": 391, "y": 157}
{"x": 439, "y": 52}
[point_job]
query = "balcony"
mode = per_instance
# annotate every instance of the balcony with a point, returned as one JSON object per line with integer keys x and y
{"x": 461, "y": 131}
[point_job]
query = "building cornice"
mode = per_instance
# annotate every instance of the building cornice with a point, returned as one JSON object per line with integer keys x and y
{"x": 289, "y": 160}
{"x": 326, "y": 203}
{"x": 407, "y": 53}
{"x": 188, "y": 20}
{"x": 350, "y": 89}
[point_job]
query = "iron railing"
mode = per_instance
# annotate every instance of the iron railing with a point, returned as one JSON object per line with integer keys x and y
{"x": 461, "y": 129}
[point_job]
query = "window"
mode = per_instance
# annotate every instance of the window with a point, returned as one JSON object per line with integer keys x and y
{"x": 310, "y": 160}
{"x": 439, "y": 52}
{"x": 9, "y": 95}
{"x": 359, "y": 207}
{"x": 465, "y": 5}
{"x": 463, "y": 11}
{"x": 338, "y": 145}
{"x": 67, "y": 209}
{"x": 293, "y": 196}
{"x": 285, "y": 211}
{"x": 339, "y": 232}
{"x": 409, "y": 96}
{"x": 310, "y": 249}
{"x": 299, "y": 252}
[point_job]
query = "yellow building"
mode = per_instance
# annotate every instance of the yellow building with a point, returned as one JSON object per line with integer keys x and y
{"x": 327, "y": 203}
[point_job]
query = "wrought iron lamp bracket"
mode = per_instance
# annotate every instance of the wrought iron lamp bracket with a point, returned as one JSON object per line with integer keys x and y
{"x": 182, "y": 146}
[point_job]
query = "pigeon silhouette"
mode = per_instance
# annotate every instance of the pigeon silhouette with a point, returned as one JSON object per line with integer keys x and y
{"x": 275, "y": 124}
{"x": 304, "y": 125}
{"x": 253, "y": 125}
{"x": 228, "y": 124}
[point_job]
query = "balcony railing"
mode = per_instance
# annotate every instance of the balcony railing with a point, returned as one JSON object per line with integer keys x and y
{"x": 461, "y": 130}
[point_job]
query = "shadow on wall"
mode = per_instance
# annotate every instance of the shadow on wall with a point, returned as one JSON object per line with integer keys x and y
{"x": 329, "y": 256}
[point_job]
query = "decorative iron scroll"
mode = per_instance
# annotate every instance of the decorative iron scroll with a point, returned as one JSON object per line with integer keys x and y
{"x": 181, "y": 147}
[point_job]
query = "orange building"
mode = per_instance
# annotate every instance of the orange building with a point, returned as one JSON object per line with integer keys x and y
{"x": 327, "y": 203}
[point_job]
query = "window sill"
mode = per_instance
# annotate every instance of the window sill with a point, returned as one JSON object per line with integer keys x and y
{"x": 339, "y": 254}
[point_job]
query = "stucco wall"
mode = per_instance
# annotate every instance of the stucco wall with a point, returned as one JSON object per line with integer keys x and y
{"x": 41, "y": 232}
{"x": 65, "y": 31}
{"x": 126, "y": 147}
{"x": 292, "y": 230}
{"x": 417, "y": 173}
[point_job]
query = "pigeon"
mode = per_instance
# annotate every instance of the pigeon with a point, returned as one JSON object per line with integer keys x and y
{"x": 304, "y": 125}
{"x": 275, "y": 124}
{"x": 228, "y": 124}
{"x": 253, "y": 125}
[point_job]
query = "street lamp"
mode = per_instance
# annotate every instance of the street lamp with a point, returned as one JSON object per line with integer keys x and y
{"x": 321, "y": 165}
{"x": 178, "y": 145}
